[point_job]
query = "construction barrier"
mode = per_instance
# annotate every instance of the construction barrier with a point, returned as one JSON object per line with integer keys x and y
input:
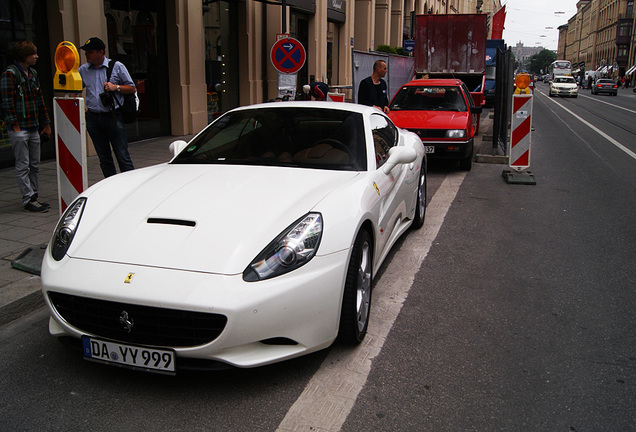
{"x": 335, "y": 97}
{"x": 519, "y": 151}
{"x": 70, "y": 148}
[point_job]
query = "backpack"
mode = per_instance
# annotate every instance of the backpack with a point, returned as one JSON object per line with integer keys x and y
{"x": 130, "y": 107}
{"x": 17, "y": 73}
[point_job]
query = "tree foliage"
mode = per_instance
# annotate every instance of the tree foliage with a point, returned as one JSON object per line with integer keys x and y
{"x": 541, "y": 60}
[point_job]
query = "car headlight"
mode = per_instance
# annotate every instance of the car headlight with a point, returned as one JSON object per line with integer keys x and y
{"x": 456, "y": 133}
{"x": 293, "y": 248}
{"x": 66, "y": 228}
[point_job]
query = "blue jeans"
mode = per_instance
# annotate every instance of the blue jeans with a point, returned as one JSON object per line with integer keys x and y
{"x": 26, "y": 150}
{"x": 106, "y": 130}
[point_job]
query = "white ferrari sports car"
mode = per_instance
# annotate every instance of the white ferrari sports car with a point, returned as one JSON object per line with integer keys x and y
{"x": 256, "y": 243}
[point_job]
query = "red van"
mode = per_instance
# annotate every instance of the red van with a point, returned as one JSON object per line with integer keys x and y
{"x": 442, "y": 113}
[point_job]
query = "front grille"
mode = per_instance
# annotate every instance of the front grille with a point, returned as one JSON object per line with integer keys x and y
{"x": 430, "y": 133}
{"x": 150, "y": 325}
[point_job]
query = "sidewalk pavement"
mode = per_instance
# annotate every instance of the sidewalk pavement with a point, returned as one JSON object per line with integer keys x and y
{"x": 21, "y": 230}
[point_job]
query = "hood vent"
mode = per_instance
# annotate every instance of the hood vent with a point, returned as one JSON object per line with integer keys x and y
{"x": 164, "y": 221}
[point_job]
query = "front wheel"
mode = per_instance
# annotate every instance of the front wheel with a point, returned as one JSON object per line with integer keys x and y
{"x": 467, "y": 163}
{"x": 356, "y": 301}
{"x": 420, "y": 205}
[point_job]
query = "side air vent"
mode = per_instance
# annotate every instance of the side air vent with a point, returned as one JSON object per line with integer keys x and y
{"x": 171, "y": 222}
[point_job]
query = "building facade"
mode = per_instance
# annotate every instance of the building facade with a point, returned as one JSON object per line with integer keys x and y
{"x": 601, "y": 37}
{"x": 194, "y": 59}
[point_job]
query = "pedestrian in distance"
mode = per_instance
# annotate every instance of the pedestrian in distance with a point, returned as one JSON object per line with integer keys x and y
{"x": 103, "y": 120}
{"x": 318, "y": 90}
{"x": 26, "y": 120}
{"x": 373, "y": 89}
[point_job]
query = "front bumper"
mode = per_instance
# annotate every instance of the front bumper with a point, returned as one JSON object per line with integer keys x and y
{"x": 267, "y": 321}
{"x": 450, "y": 149}
{"x": 564, "y": 92}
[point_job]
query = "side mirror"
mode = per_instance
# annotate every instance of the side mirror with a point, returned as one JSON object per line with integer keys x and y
{"x": 477, "y": 110}
{"x": 398, "y": 155}
{"x": 177, "y": 146}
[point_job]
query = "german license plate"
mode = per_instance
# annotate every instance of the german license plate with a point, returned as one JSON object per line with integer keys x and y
{"x": 429, "y": 149}
{"x": 132, "y": 356}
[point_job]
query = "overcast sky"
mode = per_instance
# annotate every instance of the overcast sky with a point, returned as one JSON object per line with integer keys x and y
{"x": 535, "y": 22}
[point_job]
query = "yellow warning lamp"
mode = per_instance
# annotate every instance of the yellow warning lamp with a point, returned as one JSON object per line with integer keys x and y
{"x": 522, "y": 82}
{"x": 67, "y": 78}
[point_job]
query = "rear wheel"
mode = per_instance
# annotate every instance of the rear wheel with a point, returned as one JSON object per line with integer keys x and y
{"x": 356, "y": 301}
{"x": 420, "y": 205}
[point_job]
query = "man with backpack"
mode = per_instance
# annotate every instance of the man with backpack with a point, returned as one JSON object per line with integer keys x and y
{"x": 26, "y": 119}
{"x": 105, "y": 85}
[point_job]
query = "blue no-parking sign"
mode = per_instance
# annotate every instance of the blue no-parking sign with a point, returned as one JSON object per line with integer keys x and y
{"x": 288, "y": 55}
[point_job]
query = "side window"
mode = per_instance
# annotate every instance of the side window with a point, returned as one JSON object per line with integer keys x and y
{"x": 384, "y": 137}
{"x": 471, "y": 103}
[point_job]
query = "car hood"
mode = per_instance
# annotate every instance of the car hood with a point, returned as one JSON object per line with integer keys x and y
{"x": 207, "y": 218}
{"x": 430, "y": 119}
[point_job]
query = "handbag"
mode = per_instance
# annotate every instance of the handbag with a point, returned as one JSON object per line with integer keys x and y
{"x": 130, "y": 108}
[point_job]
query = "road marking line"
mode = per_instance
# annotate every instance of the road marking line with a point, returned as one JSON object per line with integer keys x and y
{"x": 331, "y": 393}
{"x": 597, "y": 130}
{"x": 607, "y": 103}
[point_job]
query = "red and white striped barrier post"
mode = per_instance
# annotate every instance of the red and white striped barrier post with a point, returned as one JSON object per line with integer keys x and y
{"x": 521, "y": 126}
{"x": 70, "y": 148}
{"x": 519, "y": 158}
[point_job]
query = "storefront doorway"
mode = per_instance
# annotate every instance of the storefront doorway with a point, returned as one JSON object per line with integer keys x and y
{"x": 21, "y": 20}
{"x": 137, "y": 38}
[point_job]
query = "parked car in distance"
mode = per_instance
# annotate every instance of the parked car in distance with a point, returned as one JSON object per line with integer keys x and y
{"x": 256, "y": 243}
{"x": 442, "y": 113}
{"x": 605, "y": 85}
{"x": 564, "y": 86}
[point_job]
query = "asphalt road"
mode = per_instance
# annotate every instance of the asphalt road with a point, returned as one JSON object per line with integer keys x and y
{"x": 520, "y": 316}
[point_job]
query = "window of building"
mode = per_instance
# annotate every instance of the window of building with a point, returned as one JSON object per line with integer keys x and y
{"x": 137, "y": 39}
{"x": 220, "y": 20}
{"x": 26, "y": 19}
{"x": 333, "y": 37}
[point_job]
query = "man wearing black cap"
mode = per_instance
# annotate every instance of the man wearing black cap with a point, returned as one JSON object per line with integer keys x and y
{"x": 103, "y": 122}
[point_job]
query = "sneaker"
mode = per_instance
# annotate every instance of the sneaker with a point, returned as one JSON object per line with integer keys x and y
{"x": 36, "y": 207}
{"x": 34, "y": 198}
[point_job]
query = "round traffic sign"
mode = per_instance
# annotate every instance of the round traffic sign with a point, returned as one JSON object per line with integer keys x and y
{"x": 288, "y": 55}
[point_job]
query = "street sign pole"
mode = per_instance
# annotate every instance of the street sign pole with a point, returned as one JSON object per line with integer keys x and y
{"x": 288, "y": 57}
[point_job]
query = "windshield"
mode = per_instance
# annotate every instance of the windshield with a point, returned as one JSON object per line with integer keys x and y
{"x": 429, "y": 98}
{"x": 282, "y": 136}
{"x": 565, "y": 80}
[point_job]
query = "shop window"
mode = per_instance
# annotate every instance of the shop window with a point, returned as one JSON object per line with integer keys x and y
{"x": 137, "y": 38}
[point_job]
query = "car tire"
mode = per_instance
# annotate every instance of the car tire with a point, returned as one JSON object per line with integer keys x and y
{"x": 356, "y": 300}
{"x": 420, "y": 204}
{"x": 466, "y": 164}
